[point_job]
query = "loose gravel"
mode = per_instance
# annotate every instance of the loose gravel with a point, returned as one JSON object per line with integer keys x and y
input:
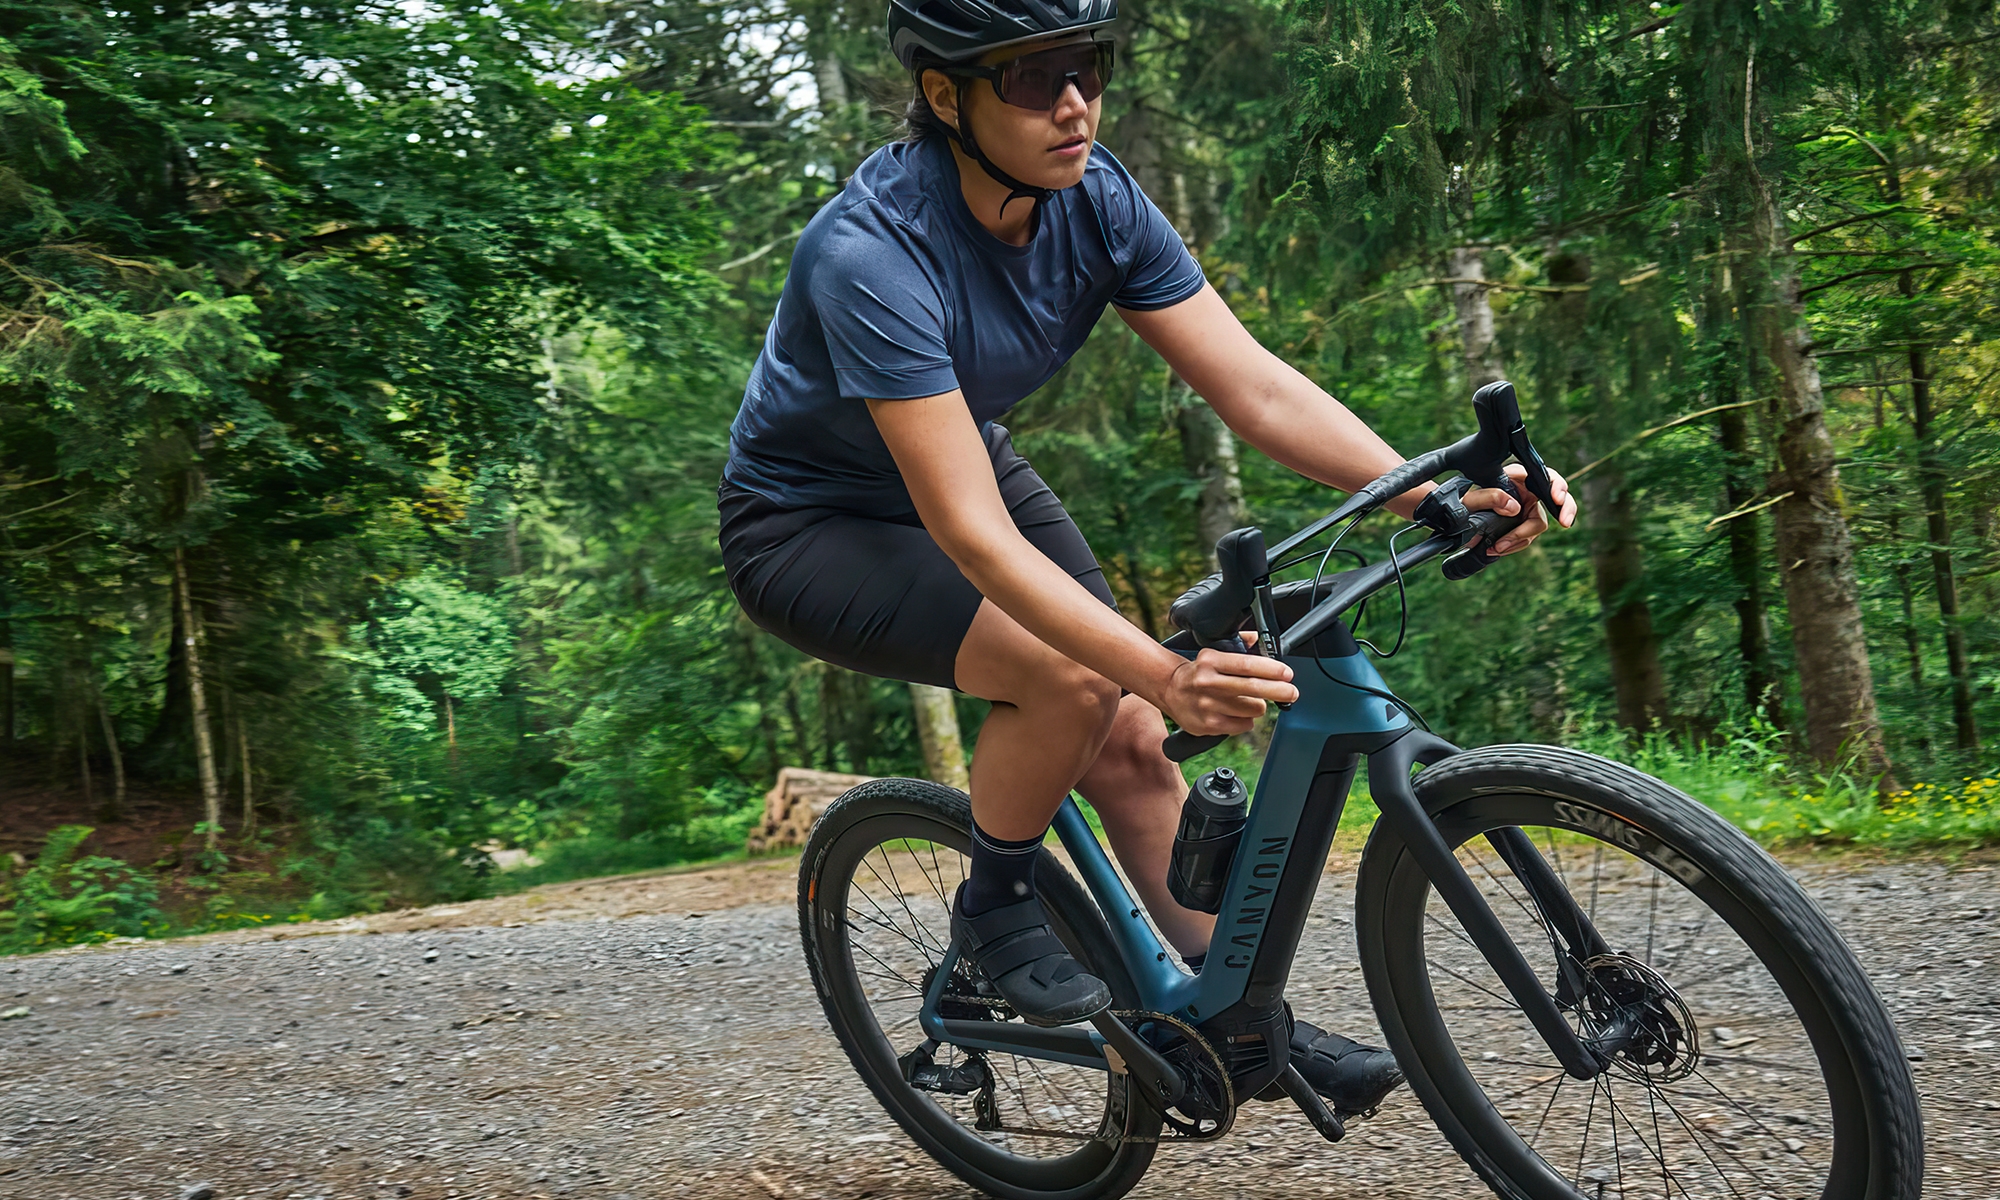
{"x": 670, "y": 1055}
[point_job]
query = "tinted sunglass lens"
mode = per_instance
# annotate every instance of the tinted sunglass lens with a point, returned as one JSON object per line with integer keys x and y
{"x": 1038, "y": 81}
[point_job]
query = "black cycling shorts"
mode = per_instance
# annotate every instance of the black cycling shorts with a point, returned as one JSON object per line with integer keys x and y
{"x": 879, "y": 596}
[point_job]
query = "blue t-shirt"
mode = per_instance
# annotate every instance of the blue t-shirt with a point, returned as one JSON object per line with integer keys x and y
{"x": 896, "y": 291}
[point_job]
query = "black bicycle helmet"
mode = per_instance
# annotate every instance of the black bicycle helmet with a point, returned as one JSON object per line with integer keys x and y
{"x": 932, "y": 32}
{"x": 956, "y": 30}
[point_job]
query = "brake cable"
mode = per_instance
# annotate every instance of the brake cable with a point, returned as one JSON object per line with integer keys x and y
{"x": 1402, "y": 598}
{"x": 1403, "y": 623}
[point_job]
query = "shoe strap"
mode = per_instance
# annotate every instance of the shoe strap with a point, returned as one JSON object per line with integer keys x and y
{"x": 1018, "y": 950}
{"x": 997, "y": 923}
{"x": 1014, "y": 935}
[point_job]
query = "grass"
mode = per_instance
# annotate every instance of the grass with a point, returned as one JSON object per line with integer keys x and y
{"x": 1752, "y": 780}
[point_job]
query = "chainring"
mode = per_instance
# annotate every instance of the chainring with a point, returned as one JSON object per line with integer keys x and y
{"x": 1212, "y": 1098}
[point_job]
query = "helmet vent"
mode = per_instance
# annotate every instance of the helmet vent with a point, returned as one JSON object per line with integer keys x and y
{"x": 947, "y": 16}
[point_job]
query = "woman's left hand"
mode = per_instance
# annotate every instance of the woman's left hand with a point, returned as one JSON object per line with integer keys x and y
{"x": 1537, "y": 523}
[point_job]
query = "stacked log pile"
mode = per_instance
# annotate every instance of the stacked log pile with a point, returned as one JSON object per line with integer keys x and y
{"x": 794, "y": 803}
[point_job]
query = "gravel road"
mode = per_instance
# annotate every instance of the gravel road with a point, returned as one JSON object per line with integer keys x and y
{"x": 606, "y": 1041}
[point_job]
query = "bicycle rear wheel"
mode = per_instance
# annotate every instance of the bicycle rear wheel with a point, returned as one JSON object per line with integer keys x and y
{"x": 1760, "y": 1062}
{"x": 875, "y": 888}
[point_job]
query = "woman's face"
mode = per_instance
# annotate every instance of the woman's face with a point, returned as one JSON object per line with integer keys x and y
{"x": 1044, "y": 149}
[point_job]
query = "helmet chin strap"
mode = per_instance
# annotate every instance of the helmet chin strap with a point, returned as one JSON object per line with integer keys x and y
{"x": 1016, "y": 189}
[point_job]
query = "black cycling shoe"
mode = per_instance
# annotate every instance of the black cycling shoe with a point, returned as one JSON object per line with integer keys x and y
{"x": 1352, "y": 1077}
{"x": 1027, "y": 964}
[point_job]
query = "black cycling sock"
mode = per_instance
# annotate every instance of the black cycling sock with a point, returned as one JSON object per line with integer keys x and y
{"x": 1194, "y": 961}
{"x": 1003, "y": 872}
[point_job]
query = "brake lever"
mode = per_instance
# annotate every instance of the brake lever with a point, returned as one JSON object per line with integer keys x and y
{"x": 1538, "y": 471}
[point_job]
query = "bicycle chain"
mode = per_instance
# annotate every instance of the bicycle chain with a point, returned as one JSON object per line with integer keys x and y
{"x": 1183, "y": 1129}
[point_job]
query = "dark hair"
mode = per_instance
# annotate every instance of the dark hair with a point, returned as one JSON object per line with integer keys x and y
{"x": 919, "y": 119}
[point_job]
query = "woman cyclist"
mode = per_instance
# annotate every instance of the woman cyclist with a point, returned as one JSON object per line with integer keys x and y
{"x": 875, "y": 516}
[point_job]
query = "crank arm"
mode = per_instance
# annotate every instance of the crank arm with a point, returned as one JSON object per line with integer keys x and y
{"x": 1323, "y": 1118}
{"x": 1389, "y": 780}
{"x": 1164, "y": 1085}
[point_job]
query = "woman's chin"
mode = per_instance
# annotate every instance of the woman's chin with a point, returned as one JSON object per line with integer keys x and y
{"x": 1063, "y": 171}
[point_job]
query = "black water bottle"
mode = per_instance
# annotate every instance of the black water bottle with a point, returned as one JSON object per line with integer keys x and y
{"x": 1211, "y": 825}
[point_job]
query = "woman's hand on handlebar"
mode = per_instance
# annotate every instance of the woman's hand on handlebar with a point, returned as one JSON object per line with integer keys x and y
{"x": 1214, "y": 692}
{"x": 1496, "y": 500}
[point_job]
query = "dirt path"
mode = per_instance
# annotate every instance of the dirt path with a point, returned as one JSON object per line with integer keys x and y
{"x": 655, "y": 1037}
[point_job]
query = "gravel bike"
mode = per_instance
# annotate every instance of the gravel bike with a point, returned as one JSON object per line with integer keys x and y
{"x": 1595, "y": 986}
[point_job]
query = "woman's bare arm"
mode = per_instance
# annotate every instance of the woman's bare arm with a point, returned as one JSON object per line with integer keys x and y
{"x": 1281, "y": 412}
{"x": 945, "y": 464}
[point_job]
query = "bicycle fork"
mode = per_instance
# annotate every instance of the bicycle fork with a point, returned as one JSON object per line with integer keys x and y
{"x": 1389, "y": 783}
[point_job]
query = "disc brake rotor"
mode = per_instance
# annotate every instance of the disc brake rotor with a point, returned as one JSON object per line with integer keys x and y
{"x": 1636, "y": 1017}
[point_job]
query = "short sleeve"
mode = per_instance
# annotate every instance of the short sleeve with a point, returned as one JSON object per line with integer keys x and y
{"x": 1159, "y": 271}
{"x": 883, "y": 317}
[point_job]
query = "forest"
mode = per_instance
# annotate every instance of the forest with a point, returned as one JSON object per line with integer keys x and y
{"x": 366, "y": 373}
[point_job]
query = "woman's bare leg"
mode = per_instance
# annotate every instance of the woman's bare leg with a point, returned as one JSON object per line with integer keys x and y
{"x": 1137, "y": 794}
{"x": 1050, "y": 718}
{"x": 1057, "y": 725}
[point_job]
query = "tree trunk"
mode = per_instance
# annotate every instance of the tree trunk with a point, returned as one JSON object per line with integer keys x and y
{"x": 83, "y": 759}
{"x": 937, "y": 728}
{"x": 204, "y": 747}
{"x": 6, "y": 685}
{"x": 249, "y": 800}
{"x": 1815, "y": 547}
{"x": 1753, "y": 634}
{"x": 1209, "y": 451}
{"x": 847, "y": 712}
{"x": 1938, "y": 526}
{"x": 1637, "y": 681}
{"x": 1476, "y": 339}
{"x": 1913, "y": 647}
{"x": 115, "y": 811}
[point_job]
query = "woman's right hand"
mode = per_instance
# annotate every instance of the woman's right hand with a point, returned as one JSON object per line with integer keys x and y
{"x": 1214, "y": 692}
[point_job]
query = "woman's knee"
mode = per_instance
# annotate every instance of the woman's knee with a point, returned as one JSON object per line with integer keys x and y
{"x": 1002, "y": 662}
{"x": 1132, "y": 752}
{"x": 1071, "y": 693}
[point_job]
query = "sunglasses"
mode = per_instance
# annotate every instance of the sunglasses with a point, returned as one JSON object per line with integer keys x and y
{"x": 1037, "y": 81}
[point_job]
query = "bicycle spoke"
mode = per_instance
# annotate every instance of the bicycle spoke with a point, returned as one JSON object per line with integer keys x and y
{"x": 1701, "y": 1139}
{"x": 1469, "y": 983}
{"x": 931, "y": 953}
{"x": 1654, "y": 885}
{"x": 1596, "y": 877}
{"x": 896, "y": 885}
{"x": 882, "y": 922}
{"x": 1533, "y": 914}
{"x": 1617, "y": 1156}
{"x": 1733, "y": 1102}
{"x": 1583, "y": 1149}
{"x": 1450, "y": 929}
{"x": 1546, "y": 1110}
{"x": 1657, "y": 1156}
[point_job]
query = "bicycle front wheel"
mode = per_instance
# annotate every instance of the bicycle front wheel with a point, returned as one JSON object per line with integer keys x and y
{"x": 1754, "y": 1058}
{"x": 875, "y": 889}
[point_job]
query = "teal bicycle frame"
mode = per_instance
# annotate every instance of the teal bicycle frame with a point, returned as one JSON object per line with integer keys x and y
{"x": 1344, "y": 712}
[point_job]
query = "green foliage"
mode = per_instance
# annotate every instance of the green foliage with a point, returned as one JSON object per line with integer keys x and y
{"x": 432, "y": 639}
{"x": 62, "y": 899}
{"x": 416, "y": 333}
